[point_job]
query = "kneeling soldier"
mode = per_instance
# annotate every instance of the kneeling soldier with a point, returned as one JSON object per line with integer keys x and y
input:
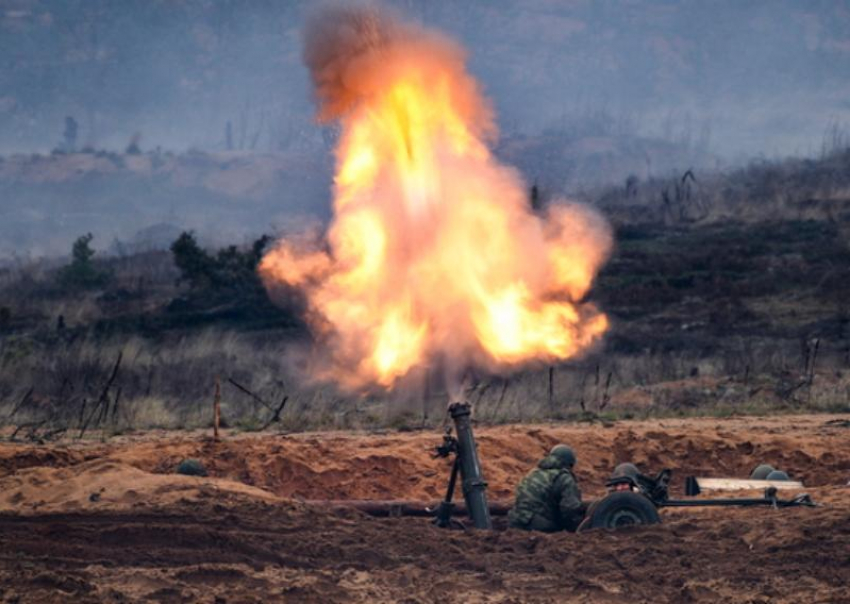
{"x": 548, "y": 498}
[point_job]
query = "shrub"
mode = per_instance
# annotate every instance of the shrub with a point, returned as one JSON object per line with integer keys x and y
{"x": 231, "y": 269}
{"x": 224, "y": 286}
{"x": 82, "y": 272}
{"x": 195, "y": 265}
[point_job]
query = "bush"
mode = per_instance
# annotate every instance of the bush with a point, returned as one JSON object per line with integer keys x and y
{"x": 82, "y": 272}
{"x": 196, "y": 266}
{"x": 231, "y": 269}
{"x": 224, "y": 286}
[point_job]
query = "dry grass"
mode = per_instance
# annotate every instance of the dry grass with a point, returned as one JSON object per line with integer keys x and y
{"x": 714, "y": 319}
{"x": 169, "y": 384}
{"x": 793, "y": 189}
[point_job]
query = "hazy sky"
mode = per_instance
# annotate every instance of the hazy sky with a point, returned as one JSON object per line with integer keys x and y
{"x": 752, "y": 77}
{"x": 587, "y": 92}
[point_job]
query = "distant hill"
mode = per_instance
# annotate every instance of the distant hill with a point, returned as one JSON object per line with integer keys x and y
{"x": 48, "y": 201}
{"x": 141, "y": 202}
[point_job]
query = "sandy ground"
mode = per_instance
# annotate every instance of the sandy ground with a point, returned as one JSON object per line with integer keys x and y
{"x": 93, "y": 521}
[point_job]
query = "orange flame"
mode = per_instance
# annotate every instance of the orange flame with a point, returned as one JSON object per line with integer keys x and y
{"x": 433, "y": 250}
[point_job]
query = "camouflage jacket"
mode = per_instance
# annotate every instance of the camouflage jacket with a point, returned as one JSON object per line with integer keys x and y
{"x": 547, "y": 499}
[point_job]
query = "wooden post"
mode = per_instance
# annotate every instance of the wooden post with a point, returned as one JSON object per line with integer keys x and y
{"x": 426, "y": 396}
{"x": 216, "y": 407}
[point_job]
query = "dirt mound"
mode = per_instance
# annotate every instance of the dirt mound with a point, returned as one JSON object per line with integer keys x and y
{"x": 337, "y": 465}
{"x": 151, "y": 535}
{"x": 261, "y": 552}
{"x": 106, "y": 484}
{"x": 234, "y": 174}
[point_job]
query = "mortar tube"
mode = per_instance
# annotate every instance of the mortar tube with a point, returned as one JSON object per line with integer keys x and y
{"x": 472, "y": 480}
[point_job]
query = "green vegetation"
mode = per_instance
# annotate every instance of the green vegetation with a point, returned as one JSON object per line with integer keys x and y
{"x": 82, "y": 273}
{"x": 224, "y": 287}
{"x": 230, "y": 269}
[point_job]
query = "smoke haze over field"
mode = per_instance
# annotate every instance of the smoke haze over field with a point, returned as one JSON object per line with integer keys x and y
{"x": 754, "y": 77}
{"x": 583, "y": 93}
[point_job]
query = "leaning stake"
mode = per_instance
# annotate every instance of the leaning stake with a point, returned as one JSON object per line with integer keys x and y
{"x": 216, "y": 408}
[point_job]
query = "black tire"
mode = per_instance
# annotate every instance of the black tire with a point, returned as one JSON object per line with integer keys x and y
{"x": 621, "y": 509}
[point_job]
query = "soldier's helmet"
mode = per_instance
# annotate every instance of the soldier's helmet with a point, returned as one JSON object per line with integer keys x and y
{"x": 564, "y": 454}
{"x": 761, "y": 472}
{"x": 626, "y": 469}
{"x": 191, "y": 467}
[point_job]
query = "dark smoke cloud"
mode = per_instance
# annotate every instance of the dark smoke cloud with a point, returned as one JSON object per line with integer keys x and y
{"x": 350, "y": 52}
{"x": 340, "y": 44}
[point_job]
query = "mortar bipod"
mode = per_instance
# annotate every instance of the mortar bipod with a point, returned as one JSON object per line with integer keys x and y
{"x": 443, "y": 512}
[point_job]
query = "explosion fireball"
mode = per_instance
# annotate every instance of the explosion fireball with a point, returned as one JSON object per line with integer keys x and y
{"x": 433, "y": 251}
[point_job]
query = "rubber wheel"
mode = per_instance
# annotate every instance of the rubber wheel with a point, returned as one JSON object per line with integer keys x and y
{"x": 621, "y": 509}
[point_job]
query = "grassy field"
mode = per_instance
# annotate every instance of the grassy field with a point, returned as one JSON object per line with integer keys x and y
{"x": 709, "y": 316}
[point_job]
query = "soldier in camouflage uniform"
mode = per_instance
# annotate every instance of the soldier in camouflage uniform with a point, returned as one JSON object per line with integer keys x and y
{"x": 548, "y": 498}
